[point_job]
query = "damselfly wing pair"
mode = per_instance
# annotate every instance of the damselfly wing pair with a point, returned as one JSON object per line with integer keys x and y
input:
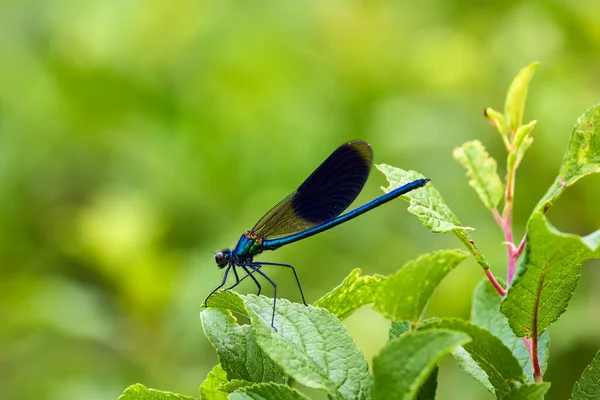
{"x": 312, "y": 208}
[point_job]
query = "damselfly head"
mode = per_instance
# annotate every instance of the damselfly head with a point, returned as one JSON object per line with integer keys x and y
{"x": 222, "y": 258}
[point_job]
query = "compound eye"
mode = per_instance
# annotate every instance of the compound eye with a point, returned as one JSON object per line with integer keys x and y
{"x": 220, "y": 259}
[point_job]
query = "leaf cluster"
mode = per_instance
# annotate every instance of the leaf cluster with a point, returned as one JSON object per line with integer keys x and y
{"x": 505, "y": 343}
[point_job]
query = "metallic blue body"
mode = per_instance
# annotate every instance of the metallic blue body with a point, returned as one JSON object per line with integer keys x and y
{"x": 246, "y": 248}
{"x": 277, "y": 243}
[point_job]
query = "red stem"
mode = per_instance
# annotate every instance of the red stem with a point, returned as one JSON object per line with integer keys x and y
{"x": 494, "y": 282}
{"x": 498, "y": 217}
{"x": 535, "y": 360}
{"x": 533, "y": 350}
{"x": 537, "y": 369}
{"x": 521, "y": 245}
{"x": 505, "y": 223}
{"x": 513, "y": 252}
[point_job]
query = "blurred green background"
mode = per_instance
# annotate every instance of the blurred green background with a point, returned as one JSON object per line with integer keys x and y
{"x": 138, "y": 138}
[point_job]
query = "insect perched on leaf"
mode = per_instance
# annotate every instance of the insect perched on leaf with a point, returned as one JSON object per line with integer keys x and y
{"x": 312, "y": 208}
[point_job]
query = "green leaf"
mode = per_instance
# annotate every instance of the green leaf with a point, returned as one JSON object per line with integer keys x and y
{"x": 354, "y": 292}
{"x": 588, "y": 386}
{"x": 140, "y": 392}
{"x": 398, "y": 328}
{"x": 469, "y": 243}
{"x": 405, "y": 363}
{"x": 522, "y": 135}
{"x": 428, "y": 389}
{"x": 481, "y": 168}
{"x": 239, "y": 354}
{"x": 488, "y": 351}
{"x": 517, "y": 94}
{"x": 543, "y": 354}
{"x": 312, "y": 346}
{"x": 581, "y": 158}
{"x": 404, "y": 295}
{"x": 467, "y": 364}
{"x": 497, "y": 119}
{"x": 267, "y": 391}
{"x": 427, "y": 204}
{"x": 534, "y": 391}
{"x": 210, "y": 388}
{"x": 229, "y": 300}
{"x": 522, "y": 142}
{"x": 234, "y": 384}
{"x": 486, "y": 314}
{"x": 547, "y": 278}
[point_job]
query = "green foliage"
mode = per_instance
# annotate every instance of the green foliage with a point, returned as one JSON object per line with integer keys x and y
{"x": 547, "y": 278}
{"x": 140, "y": 392}
{"x": 228, "y": 300}
{"x": 522, "y": 142}
{"x": 533, "y": 391}
{"x": 404, "y": 364}
{"x": 488, "y": 351}
{"x": 210, "y": 388}
{"x": 486, "y": 314}
{"x": 468, "y": 365}
{"x": 398, "y": 328}
{"x": 428, "y": 389}
{"x": 499, "y": 122}
{"x": 582, "y": 157}
{"x": 481, "y": 168}
{"x": 354, "y": 292}
{"x": 504, "y": 346}
{"x": 515, "y": 99}
{"x": 311, "y": 346}
{"x": 239, "y": 354}
{"x": 403, "y": 296}
{"x": 234, "y": 385}
{"x": 588, "y": 386}
{"x": 427, "y": 204}
{"x": 267, "y": 391}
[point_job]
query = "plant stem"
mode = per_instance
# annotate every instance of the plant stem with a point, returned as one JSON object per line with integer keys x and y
{"x": 507, "y": 218}
{"x": 535, "y": 361}
{"x": 494, "y": 282}
{"x": 522, "y": 245}
{"x": 533, "y": 350}
{"x": 513, "y": 253}
{"x": 498, "y": 217}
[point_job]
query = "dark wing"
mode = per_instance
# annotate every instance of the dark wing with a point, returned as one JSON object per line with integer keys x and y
{"x": 324, "y": 195}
